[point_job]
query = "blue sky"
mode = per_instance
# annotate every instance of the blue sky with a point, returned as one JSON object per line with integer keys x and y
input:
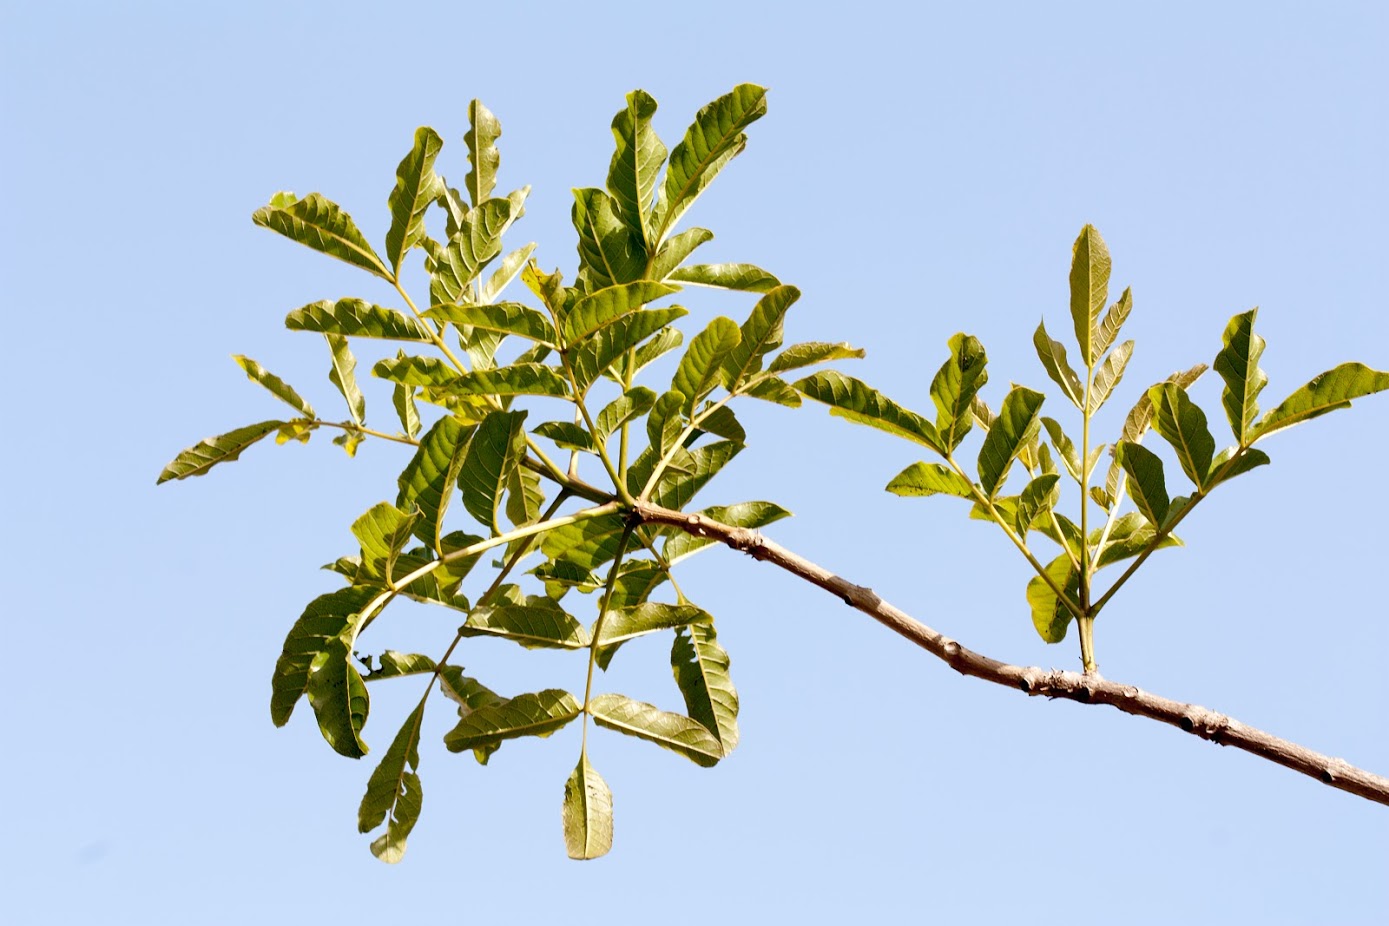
{"x": 922, "y": 170}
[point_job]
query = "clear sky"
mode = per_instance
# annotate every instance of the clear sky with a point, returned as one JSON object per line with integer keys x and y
{"x": 923, "y": 169}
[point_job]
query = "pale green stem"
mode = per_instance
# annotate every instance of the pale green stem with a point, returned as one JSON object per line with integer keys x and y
{"x": 1085, "y": 619}
{"x": 357, "y": 428}
{"x": 669, "y": 455}
{"x": 435, "y": 334}
{"x": 598, "y": 627}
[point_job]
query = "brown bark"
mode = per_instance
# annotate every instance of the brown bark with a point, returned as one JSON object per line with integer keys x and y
{"x": 1087, "y": 689}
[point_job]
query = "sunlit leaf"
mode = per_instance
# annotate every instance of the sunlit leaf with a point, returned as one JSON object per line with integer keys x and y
{"x": 587, "y": 813}
{"x": 759, "y": 335}
{"x": 593, "y": 357}
{"x": 506, "y": 271}
{"x": 538, "y": 714}
{"x": 202, "y": 456}
{"x": 1090, "y": 265}
{"x": 676, "y": 248}
{"x": 588, "y": 544}
{"x": 502, "y": 317}
{"x": 323, "y": 226}
{"x": 403, "y": 398}
{"x": 416, "y": 186}
{"x": 394, "y": 795}
{"x": 743, "y": 277}
{"x": 1325, "y": 393}
{"x": 700, "y": 665}
{"x": 343, "y": 374}
{"x": 609, "y": 251}
{"x": 605, "y": 306}
{"x": 930, "y": 479}
{"x": 721, "y": 422}
{"x": 1113, "y": 320}
{"x": 1038, "y": 498}
{"x": 497, "y": 447}
{"x": 698, "y": 372}
{"x": 1015, "y": 426}
{"x": 634, "y": 403}
{"x": 538, "y": 624}
{"x": 773, "y": 389}
{"x": 338, "y": 696}
{"x": 1064, "y": 446}
{"x": 849, "y": 398}
{"x": 383, "y": 532}
{"x": 1249, "y": 458}
{"x": 566, "y": 434}
{"x": 810, "y": 353}
{"x": 622, "y": 624}
{"x": 1131, "y": 535}
{"x": 1109, "y": 374}
{"x": 517, "y": 379}
{"x": 276, "y": 386}
{"x": 1050, "y": 616}
{"x": 481, "y": 139}
{"x": 395, "y": 664}
{"x": 358, "y": 318}
{"x": 1052, "y": 353}
{"x": 415, "y": 371}
{"x": 954, "y": 387}
{"x": 636, "y": 162}
{"x": 679, "y": 484}
{"x": 1146, "y": 483}
{"x": 1141, "y": 415}
{"x": 454, "y": 266}
{"x": 675, "y": 732}
{"x": 1183, "y": 425}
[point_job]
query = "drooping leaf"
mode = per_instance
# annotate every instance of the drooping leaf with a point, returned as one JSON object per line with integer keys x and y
{"x": 1109, "y": 374}
{"x": 810, "y": 353}
{"x": 338, "y": 696}
{"x": 1015, "y": 426}
{"x": 383, "y": 532}
{"x": 849, "y": 398}
{"x": 1325, "y": 393}
{"x": 605, "y": 306}
{"x": 202, "y": 456}
{"x": 394, "y": 795}
{"x": 676, "y": 248}
{"x": 1052, "y": 353}
{"x": 320, "y": 224}
{"x": 276, "y": 386}
{"x": 497, "y": 447}
{"x": 700, "y": 666}
{"x": 501, "y": 317}
{"x": 587, "y": 813}
{"x": 481, "y": 139}
{"x": 538, "y": 624}
{"x": 636, "y": 162}
{"x": 1050, "y": 616}
{"x": 538, "y": 714}
{"x": 454, "y": 266}
{"x": 760, "y": 335}
{"x": 1146, "y": 482}
{"x": 609, "y": 251}
{"x": 619, "y": 625}
{"x": 403, "y": 398}
{"x": 743, "y": 514}
{"x": 953, "y": 389}
{"x": 1183, "y": 425}
{"x": 675, "y": 732}
{"x": 506, "y": 271}
{"x": 358, "y": 318}
{"x": 698, "y": 372}
{"x": 1113, "y": 320}
{"x": 709, "y": 144}
{"x": 470, "y": 695}
{"x": 1090, "y": 265}
{"x": 343, "y": 374}
{"x": 930, "y": 479}
{"x": 1038, "y": 498}
{"x": 416, "y": 186}
{"x": 593, "y": 357}
{"x": 742, "y": 277}
{"x": 634, "y": 403}
{"x": 349, "y": 441}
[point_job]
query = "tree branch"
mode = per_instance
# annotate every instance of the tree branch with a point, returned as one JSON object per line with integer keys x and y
{"x": 1087, "y": 689}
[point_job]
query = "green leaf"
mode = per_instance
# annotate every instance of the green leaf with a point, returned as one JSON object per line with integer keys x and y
{"x": 358, "y": 318}
{"x": 1238, "y": 364}
{"x": 497, "y": 447}
{"x": 636, "y": 162}
{"x": 524, "y": 497}
{"x": 1325, "y": 393}
{"x": 517, "y": 379}
{"x": 566, "y": 434}
{"x": 1109, "y": 374}
{"x": 607, "y": 305}
{"x": 277, "y": 387}
{"x": 1113, "y": 320}
{"x": 383, "y": 532}
{"x": 343, "y": 374}
{"x": 1146, "y": 482}
{"x": 398, "y": 665}
{"x": 609, "y": 251}
{"x": 1064, "y": 446}
{"x": 324, "y": 619}
{"x": 1141, "y": 415}
{"x": 634, "y": 403}
{"x": 721, "y": 422}
{"x": 695, "y": 468}
{"x": 1050, "y": 616}
{"x": 415, "y": 371}
{"x": 338, "y": 696}
{"x": 672, "y": 731}
{"x": 1053, "y": 356}
{"x": 481, "y": 140}
{"x": 538, "y": 714}
{"x": 760, "y": 335}
{"x": 588, "y": 544}
{"x": 202, "y": 456}
{"x": 930, "y": 479}
{"x": 849, "y": 398}
{"x": 349, "y": 441}
{"x": 709, "y": 144}
{"x": 1089, "y": 279}
{"x": 539, "y": 624}
{"x": 393, "y": 793}
{"x": 1039, "y": 497}
{"x": 700, "y": 665}
{"x": 678, "y": 247}
{"x": 506, "y": 271}
{"x": 453, "y": 267}
{"x": 1130, "y": 536}
{"x": 1014, "y": 428}
{"x": 1249, "y": 459}
{"x": 742, "y": 277}
{"x": 587, "y": 813}
{"x": 743, "y": 514}
{"x": 501, "y": 317}
{"x": 320, "y": 224}
{"x": 403, "y": 397}
{"x": 619, "y": 625}
{"x": 1183, "y": 425}
{"x": 772, "y": 389}
{"x": 954, "y": 387}
{"x": 593, "y": 357}
{"x": 809, "y": 353}
{"x": 698, "y": 372}
{"x": 664, "y": 424}
{"x": 416, "y": 186}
